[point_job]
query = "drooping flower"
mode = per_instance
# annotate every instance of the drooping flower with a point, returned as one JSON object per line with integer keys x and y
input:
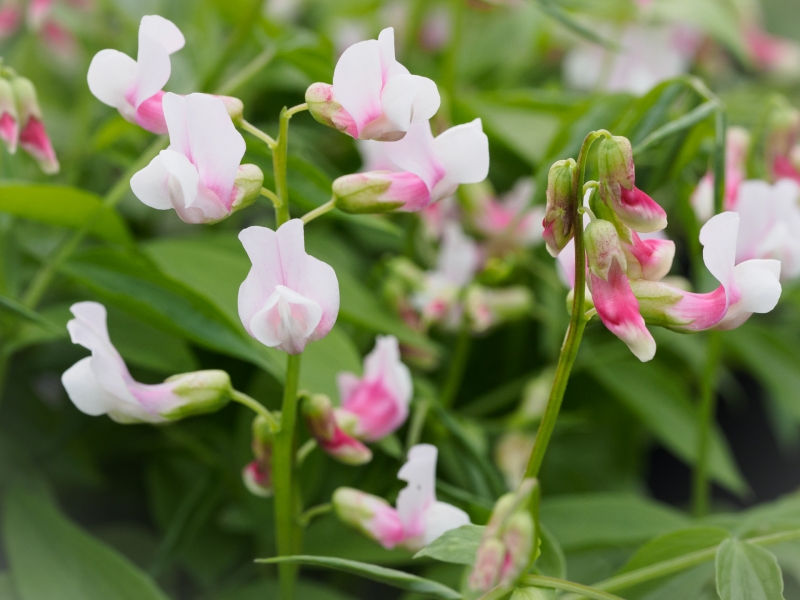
{"x": 775, "y": 55}
{"x": 9, "y": 119}
{"x": 257, "y": 474}
{"x": 418, "y": 519}
{"x": 101, "y": 384}
{"x": 134, "y": 87}
{"x": 373, "y": 97}
{"x": 748, "y": 287}
{"x": 648, "y": 56}
{"x": 289, "y": 298}
{"x": 378, "y": 401}
{"x": 32, "y": 134}
{"x": 199, "y": 175}
{"x": 334, "y": 432}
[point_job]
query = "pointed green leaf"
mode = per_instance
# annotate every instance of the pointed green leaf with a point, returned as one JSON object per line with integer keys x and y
{"x": 747, "y": 572}
{"x": 392, "y": 577}
{"x": 459, "y": 546}
{"x": 674, "y": 544}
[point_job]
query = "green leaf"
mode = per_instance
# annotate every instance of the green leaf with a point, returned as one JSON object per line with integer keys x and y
{"x": 687, "y": 121}
{"x": 65, "y": 207}
{"x": 398, "y": 579}
{"x": 52, "y": 559}
{"x": 607, "y": 519}
{"x": 660, "y": 399}
{"x": 136, "y": 285}
{"x": 533, "y": 593}
{"x": 551, "y": 561}
{"x": 559, "y": 14}
{"x": 747, "y": 572}
{"x": 458, "y": 546}
{"x": 26, "y": 313}
{"x": 674, "y": 544}
{"x": 324, "y": 359}
{"x": 7, "y": 588}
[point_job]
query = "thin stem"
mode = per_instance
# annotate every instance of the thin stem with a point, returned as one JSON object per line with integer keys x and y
{"x": 304, "y": 451}
{"x": 276, "y": 202}
{"x": 320, "y": 210}
{"x": 450, "y": 67}
{"x": 283, "y": 466}
{"x": 458, "y": 365}
{"x": 701, "y": 489}
{"x": 568, "y": 586}
{"x": 279, "y": 162}
{"x": 296, "y": 109}
{"x": 255, "y": 131}
{"x": 249, "y": 71}
{"x": 255, "y": 406}
{"x": 421, "y": 409}
{"x": 721, "y": 127}
{"x": 577, "y": 323}
{"x": 313, "y": 512}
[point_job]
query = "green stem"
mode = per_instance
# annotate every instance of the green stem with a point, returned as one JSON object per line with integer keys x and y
{"x": 450, "y": 67}
{"x": 320, "y": 210}
{"x": 721, "y": 132}
{"x": 279, "y": 166}
{"x": 458, "y": 365}
{"x": 568, "y": 586}
{"x": 255, "y": 406}
{"x": 421, "y": 409}
{"x": 678, "y": 564}
{"x": 701, "y": 489}
{"x": 304, "y": 451}
{"x": 276, "y": 202}
{"x": 577, "y": 322}
{"x": 283, "y": 465}
{"x": 248, "y": 71}
{"x": 256, "y": 132}
{"x": 313, "y": 512}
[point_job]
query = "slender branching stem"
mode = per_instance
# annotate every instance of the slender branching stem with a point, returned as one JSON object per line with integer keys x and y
{"x": 256, "y": 407}
{"x": 256, "y": 132}
{"x": 319, "y": 211}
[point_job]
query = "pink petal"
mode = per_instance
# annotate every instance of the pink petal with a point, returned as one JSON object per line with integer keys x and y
{"x": 10, "y": 18}
{"x": 150, "y": 115}
{"x": 638, "y": 210}
{"x": 34, "y": 140}
{"x": 9, "y": 132}
{"x": 652, "y": 257}
{"x": 415, "y": 153}
{"x": 286, "y": 320}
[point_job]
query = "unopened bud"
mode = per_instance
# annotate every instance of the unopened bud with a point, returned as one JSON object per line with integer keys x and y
{"x": 371, "y": 515}
{"x": 257, "y": 475}
{"x": 379, "y": 191}
{"x": 9, "y": 119}
{"x": 321, "y": 422}
{"x": 603, "y": 247}
{"x": 511, "y": 455}
{"x": 518, "y": 542}
{"x": 202, "y": 392}
{"x": 488, "y": 564}
{"x": 588, "y": 301}
{"x": 258, "y": 479}
{"x": 618, "y": 187}
{"x": 326, "y": 110}
{"x": 246, "y": 186}
{"x": 559, "y": 215}
{"x": 235, "y": 108}
{"x": 32, "y": 137}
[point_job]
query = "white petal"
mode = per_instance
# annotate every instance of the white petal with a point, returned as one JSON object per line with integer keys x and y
{"x": 718, "y": 237}
{"x": 154, "y": 69}
{"x": 397, "y": 99}
{"x": 459, "y": 256}
{"x": 168, "y": 180}
{"x": 759, "y": 285}
{"x": 175, "y": 115}
{"x": 111, "y": 75}
{"x": 162, "y": 30}
{"x": 358, "y": 81}
{"x": 85, "y": 391}
{"x": 386, "y": 43}
{"x": 286, "y": 321}
{"x": 756, "y": 210}
{"x": 441, "y": 518}
{"x": 420, "y": 493}
{"x": 415, "y": 154}
{"x": 217, "y": 148}
{"x": 426, "y": 100}
{"x": 261, "y": 245}
{"x": 463, "y": 150}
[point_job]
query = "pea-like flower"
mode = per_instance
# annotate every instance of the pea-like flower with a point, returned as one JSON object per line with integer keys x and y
{"x": 199, "y": 175}
{"x": 418, "y": 519}
{"x": 32, "y": 133}
{"x": 289, "y": 298}
{"x": 134, "y": 87}
{"x": 373, "y": 97}
{"x": 101, "y": 384}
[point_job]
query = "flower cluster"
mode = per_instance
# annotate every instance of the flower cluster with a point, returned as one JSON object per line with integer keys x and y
{"x": 39, "y": 17}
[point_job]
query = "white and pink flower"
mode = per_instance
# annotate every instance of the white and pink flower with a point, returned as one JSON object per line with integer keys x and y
{"x": 373, "y": 97}
{"x": 101, "y": 384}
{"x": 509, "y": 220}
{"x": 737, "y": 144}
{"x": 199, "y": 175}
{"x": 418, "y": 518}
{"x": 289, "y": 298}
{"x": 134, "y": 87}
{"x": 32, "y": 134}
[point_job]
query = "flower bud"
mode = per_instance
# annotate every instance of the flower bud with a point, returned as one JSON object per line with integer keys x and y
{"x": 202, "y": 392}
{"x": 326, "y": 110}
{"x": 257, "y": 475}
{"x": 379, "y": 191}
{"x": 618, "y": 190}
{"x": 558, "y": 219}
{"x": 656, "y": 303}
{"x": 9, "y": 119}
{"x": 518, "y": 542}
{"x": 487, "y": 307}
{"x": 372, "y": 516}
{"x": 603, "y": 247}
{"x": 511, "y": 455}
{"x": 258, "y": 479}
{"x": 246, "y": 186}
{"x": 588, "y": 301}
{"x": 33, "y": 137}
{"x": 321, "y": 422}
{"x": 235, "y": 108}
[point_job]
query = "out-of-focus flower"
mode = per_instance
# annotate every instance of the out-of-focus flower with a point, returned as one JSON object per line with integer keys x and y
{"x": 648, "y": 56}
{"x": 749, "y": 287}
{"x": 373, "y": 96}
{"x": 736, "y": 148}
{"x": 257, "y": 474}
{"x": 199, "y": 174}
{"x": 134, "y": 87}
{"x": 32, "y": 135}
{"x": 436, "y": 30}
{"x": 9, "y": 119}
{"x": 511, "y": 455}
{"x": 101, "y": 384}
{"x": 489, "y": 307}
{"x": 774, "y": 55}
{"x": 289, "y": 298}
{"x": 378, "y": 401}
{"x": 418, "y": 519}
{"x": 41, "y": 20}
{"x": 334, "y": 433}
{"x": 506, "y": 547}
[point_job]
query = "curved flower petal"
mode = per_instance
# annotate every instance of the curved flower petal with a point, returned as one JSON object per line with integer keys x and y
{"x": 286, "y": 320}
{"x": 85, "y": 391}
{"x": 358, "y": 81}
{"x": 419, "y": 472}
{"x": 649, "y": 258}
{"x": 426, "y": 101}
{"x": 162, "y": 30}
{"x": 441, "y": 518}
{"x": 718, "y": 237}
{"x": 261, "y": 245}
{"x": 111, "y": 74}
{"x": 169, "y": 181}
{"x": 759, "y": 285}
{"x": 463, "y": 151}
{"x": 638, "y": 210}
{"x": 415, "y": 153}
{"x": 154, "y": 69}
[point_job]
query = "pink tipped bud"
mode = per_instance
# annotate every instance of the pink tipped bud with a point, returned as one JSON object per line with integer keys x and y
{"x": 618, "y": 190}
{"x": 325, "y": 109}
{"x": 257, "y": 474}
{"x": 380, "y": 191}
{"x": 33, "y": 137}
{"x": 258, "y": 479}
{"x": 518, "y": 541}
{"x": 9, "y": 119}
{"x": 321, "y": 422}
{"x": 649, "y": 259}
{"x": 603, "y": 247}
{"x": 372, "y": 516}
{"x": 246, "y": 186}
{"x": 558, "y": 219}
{"x": 201, "y": 392}
{"x": 488, "y": 564}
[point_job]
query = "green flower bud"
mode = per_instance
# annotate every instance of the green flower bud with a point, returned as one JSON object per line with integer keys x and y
{"x": 559, "y": 225}
{"x": 247, "y": 186}
{"x": 603, "y": 247}
{"x": 201, "y": 392}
